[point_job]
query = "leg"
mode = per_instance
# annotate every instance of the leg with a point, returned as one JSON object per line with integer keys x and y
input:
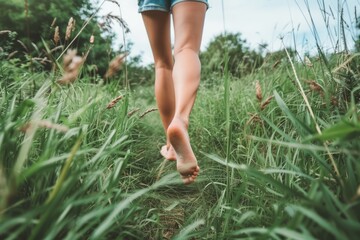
{"x": 157, "y": 25}
{"x": 188, "y": 25}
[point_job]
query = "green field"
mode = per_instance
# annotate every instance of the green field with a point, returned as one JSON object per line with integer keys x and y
{"x": 278, "y": 147}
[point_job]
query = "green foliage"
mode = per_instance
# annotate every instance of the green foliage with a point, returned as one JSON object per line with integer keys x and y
{"x": 96, "y": 173}
{"x": 278, "y": 157}
{"x": 241, "y": 60}
{"x": 282, "y": 177}
{"x": 62, "y": 155}
{"x": 138, "y": 74}
{"x": 36, "y": 21}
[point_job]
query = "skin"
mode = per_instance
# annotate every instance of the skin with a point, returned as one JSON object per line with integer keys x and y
{"x": 177, "y": 78}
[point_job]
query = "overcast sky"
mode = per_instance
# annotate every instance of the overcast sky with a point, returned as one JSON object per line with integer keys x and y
{"x": 259, "y": 21}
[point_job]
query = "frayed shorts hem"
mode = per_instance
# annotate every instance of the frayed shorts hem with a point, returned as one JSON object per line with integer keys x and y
{"x": 152, "y": 8}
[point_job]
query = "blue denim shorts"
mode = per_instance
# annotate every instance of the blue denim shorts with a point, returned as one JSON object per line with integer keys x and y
{"x": 163, "y": 5}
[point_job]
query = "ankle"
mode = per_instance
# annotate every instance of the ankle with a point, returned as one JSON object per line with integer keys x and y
{"x": 183, "y": 120}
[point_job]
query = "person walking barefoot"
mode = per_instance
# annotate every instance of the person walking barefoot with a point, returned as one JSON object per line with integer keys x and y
{"x": 177, "y": 75}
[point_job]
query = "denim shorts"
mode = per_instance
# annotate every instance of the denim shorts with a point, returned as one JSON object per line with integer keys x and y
{"x": 163, "y": 5}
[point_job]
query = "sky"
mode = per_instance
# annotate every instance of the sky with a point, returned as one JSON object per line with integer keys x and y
{"x": 277, "y": 23}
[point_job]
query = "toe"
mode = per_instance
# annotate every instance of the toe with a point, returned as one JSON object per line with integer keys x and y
{"x": 163, "y": 151}
{"x": 168, "y": 154}
{"x": 188, "y": 180}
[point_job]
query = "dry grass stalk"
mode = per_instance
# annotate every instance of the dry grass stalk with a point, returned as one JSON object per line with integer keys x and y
{"x": 258, "y": 91}
{"x": 276, "y": 64}
{"x": 45, "y": 124}
{"x": 132, "y": 112}
{"x": 115, "y": 2}
{"x": 23, "y": 45}
{"x": 4, "y": 31}
{"x": 108, "y": 20}
{"x": 11, "y": 54}
{"x": 56, "y": 35}
{"x": 56, "y": 48}
{"x": 266, "y": 102}
{"x": 43, "y": 60}
{"x": 115, "y": 65}
{"x": 113, "y": 102}
{"x": 70, "y": 28}
{"x": 72, "y": 64}
{"x": 148, "y": 111}
{"x": 344, "y": 65}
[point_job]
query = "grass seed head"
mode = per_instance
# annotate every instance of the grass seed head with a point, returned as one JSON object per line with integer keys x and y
{"x": 258, "y": 91}
{"x": 72, "y": 64}
{"x": 70, "y": 54}
{"x": 53, "y": 23}
{"x": 70, "y": 28}
{"x": 266, "y": 102}
{"x": 92, "y": 39}
{"x": 254, "y": 119}
{"x": 148, "y": 111}
{"x": 132, "y": 112}
{"x": 115, "y": 65}
{"x": 56, "y": 35}
{"x": 113, "y": 102}
{"x": 314, "y": 86}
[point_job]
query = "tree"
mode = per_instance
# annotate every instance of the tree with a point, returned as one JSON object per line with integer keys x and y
{"x": 35, "y": 21}
{"x": 241, "y": 60}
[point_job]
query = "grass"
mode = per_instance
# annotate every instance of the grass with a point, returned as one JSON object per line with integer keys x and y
{"x": 70, "y": 168}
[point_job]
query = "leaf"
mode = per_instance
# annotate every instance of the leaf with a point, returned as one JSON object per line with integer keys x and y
{"x": 341, "y": 130}
{"x": 323, "y": 223}
{"x": 296, "y": 122}
{"x": 291, "y": 234}
{"x": 184, "y": 233}
{"x": 125, "y": 203}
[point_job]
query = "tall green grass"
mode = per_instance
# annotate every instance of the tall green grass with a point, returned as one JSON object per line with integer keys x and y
{"x": 72, "y": 169}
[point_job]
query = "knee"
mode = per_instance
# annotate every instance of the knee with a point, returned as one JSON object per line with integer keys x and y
{"x": 163, "y": 65}
{"x": 185, "y": 49}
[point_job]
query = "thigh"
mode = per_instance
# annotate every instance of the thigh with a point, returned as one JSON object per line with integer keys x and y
{"x": 188, "y": 18}
{"x": 157, "y": 24}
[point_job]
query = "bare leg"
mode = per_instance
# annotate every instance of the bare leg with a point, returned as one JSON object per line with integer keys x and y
{"x": 186, "y": 76}
{"x": 158, "y": 29}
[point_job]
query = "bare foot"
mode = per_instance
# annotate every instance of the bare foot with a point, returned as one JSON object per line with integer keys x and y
{"x": 168, "y": 153}
{"x": 186, "y": 161}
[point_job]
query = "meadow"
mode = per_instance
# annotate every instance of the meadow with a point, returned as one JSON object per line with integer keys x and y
{"x": 278, "y": 148}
